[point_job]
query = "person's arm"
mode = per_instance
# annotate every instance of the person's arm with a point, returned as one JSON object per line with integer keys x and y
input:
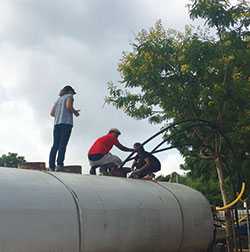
{"x": 123, "y": 148}
{"x": 53, "y": 110}
{"x": 133, "y": 165}
{"x": 70, "y": 107}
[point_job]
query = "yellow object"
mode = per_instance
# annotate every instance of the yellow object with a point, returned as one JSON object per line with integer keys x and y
{"x": 242, "y": 219}
{"x": 243, "y": 187}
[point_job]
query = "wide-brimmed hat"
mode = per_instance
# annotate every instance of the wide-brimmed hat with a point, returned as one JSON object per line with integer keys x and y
{"x": 68, "y": 89}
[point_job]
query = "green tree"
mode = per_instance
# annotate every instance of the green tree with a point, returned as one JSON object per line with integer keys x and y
{"x": 11, "y": 160}
{"x": 171, "y": 76}
{"x": 208, "y": 187}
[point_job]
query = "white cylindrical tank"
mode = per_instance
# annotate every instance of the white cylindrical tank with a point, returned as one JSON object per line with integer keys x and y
{"x": 58, "y": 212}
{"x": 37, "y": 213}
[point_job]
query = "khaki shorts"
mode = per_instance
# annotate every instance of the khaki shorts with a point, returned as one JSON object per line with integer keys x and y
{"x": 106, "y": 159}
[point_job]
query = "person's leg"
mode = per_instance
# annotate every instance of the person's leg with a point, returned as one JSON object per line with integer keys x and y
{"x": 93, "y": 170}
{"x": 93, "y": 167}
{"x": 93, "y": 162}
{"x": 111, "y": 163}
{"x": 64, "y": 139}
{"x": 142, "y": 172}
{"x": 108, "y": 160}
{"x": 112, "y": 159}
{"x": 54, "y": 149}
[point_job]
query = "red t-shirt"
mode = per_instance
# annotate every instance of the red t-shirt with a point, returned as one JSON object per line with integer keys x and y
{"x": 103, "y": 144}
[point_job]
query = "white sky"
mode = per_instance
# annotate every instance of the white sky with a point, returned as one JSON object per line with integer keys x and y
{"x": 46, "y": 44}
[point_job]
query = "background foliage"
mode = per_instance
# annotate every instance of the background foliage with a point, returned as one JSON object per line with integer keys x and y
{"x": 202, "y": 73}
{"x": 11, "y": 160}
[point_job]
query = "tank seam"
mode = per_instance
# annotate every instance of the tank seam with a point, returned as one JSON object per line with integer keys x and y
{"x": 78, "y": 210}
{"x": 182, "y": 215}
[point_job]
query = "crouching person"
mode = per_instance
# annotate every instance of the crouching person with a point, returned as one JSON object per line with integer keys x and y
{"x": 145, "y": 164}
{"x": 99, "y": 154}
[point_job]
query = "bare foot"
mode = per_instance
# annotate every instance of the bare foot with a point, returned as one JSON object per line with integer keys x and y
{"x": 148, "y": 177}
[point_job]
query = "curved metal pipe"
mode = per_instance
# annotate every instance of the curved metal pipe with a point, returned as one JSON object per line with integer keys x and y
{"x": 197, "y": 123}
{"x": 235, "y": 201}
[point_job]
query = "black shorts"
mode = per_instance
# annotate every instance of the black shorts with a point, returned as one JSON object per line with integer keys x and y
{"x": 95, "y": 157}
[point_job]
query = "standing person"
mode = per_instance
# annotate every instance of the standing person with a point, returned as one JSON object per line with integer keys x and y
{"x": 145, "y": 163}
{"x": 62, "y": 111}
{"x": 99, "y": 153}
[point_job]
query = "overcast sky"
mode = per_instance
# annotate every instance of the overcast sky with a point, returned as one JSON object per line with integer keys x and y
{"x": 46, "y": 44}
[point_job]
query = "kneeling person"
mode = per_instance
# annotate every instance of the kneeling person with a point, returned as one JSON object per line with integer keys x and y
{"x": 145, "y": 163}
{"x": 99, "y": 153}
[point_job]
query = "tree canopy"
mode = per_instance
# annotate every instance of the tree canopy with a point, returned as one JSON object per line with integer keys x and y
{"x": 11, "y": 160}
{"x": 201, "y": 73}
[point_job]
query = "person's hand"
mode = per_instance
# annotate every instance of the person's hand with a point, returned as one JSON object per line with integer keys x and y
{"x": 77, "y": 112}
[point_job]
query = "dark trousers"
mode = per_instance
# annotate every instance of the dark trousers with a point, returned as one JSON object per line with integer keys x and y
{"x": 61, "y": 135}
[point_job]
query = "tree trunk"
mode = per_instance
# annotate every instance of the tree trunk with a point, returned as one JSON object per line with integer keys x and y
{"x": 228, "y": 215}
